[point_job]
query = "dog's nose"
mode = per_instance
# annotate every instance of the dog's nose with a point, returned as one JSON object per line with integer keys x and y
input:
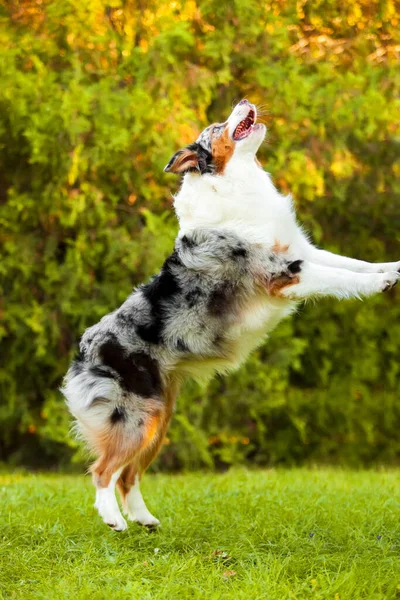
{"x": 244, "y": 101}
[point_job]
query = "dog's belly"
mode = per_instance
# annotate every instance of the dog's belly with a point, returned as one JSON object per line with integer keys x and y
{"x": 241, "y": 337}
{"x": 256, "y": 321}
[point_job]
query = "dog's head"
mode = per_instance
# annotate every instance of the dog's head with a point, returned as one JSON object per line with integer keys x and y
{"x": 218, "y": 143}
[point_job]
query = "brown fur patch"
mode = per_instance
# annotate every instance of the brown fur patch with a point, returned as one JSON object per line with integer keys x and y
{"x": 279, "y": 248}
{"x": 126, "y": 481}
{"x": 186, "y": 159}
{"x": 151, "y": 429}
{"x": 276, "y": 286}
{"x": 115, "y": 451}
{"x": 144, "y": 452}
{"x": 148, "y": 453}
{"x": 116, "y": 446}
{"x": 258, "y": 162}
{"x": 222, "y": 149}
{"x": 143, "y": 459}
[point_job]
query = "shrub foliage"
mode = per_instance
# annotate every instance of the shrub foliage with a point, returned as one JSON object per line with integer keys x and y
{"x": 94, "y": 98}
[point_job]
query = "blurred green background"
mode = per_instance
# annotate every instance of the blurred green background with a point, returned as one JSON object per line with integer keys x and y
{"x": 95, "y": 97}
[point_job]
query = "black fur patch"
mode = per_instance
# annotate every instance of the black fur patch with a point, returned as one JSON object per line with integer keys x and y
{"x": 239, "y": 252}
{"x": 193, "y": 297}
{"x": 172, "y": 260}
{"x": 125, "y": 319}
{"x": 100, "y": 371}
{"x": 295, "y": 267}
{"x": 187, "y": 242}
{"x": 138, "y": 373}
{"x": 160, "y": 289}
{"x": 151, "y": 333}
{"x": 220, "y": 300}
{"x": 204, "y": 158}
{"x": 77, "y": 365}
{"x": 118, "y": 415}
{"x": 218, "y": 340}
{"x": 182, "y": 346}
{"x": 80, "y": 356}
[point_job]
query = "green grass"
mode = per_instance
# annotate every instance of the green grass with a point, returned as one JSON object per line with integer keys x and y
{"x": 285, "y": 534}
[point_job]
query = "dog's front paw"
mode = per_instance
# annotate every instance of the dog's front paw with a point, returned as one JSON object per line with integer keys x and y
{"x": 290, "y": 276}
{"x": 395, "y": 267}
{"x": 389, "y": 280}
{"x": 388, "y": 267}
{"x": 294, "y": 267}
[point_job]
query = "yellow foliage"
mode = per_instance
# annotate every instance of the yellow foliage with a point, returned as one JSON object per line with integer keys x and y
{"x": 344, "y": 164}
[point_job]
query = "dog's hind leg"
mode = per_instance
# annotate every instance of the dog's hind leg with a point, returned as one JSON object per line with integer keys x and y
{"x": 106, "y": 502}
{"x": 117, "y": 445}
{"x": 132, "y": 499}
{"x": 129, "y": 481}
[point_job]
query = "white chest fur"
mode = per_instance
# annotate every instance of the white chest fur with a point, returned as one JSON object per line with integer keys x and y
{"x": 245, "y": 201}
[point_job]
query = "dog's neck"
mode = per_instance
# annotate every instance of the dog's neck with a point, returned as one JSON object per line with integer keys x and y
{"x": 243, "y": 199}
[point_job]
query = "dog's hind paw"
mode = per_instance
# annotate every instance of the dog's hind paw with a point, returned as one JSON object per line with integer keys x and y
{"x": 109, "y": 511}
{"x": 144, "y": 518}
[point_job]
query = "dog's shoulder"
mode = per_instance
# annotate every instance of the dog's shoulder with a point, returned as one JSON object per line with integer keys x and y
{"x": 219, "y": 251}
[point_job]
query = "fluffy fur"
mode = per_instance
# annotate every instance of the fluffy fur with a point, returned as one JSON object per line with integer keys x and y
{"x": 240, "y": 264}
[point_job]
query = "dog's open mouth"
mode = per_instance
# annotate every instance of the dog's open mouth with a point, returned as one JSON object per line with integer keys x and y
{"x": 245, "y": 127}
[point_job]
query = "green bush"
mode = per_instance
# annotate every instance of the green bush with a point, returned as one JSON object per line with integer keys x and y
{"x": 94, "y": 99}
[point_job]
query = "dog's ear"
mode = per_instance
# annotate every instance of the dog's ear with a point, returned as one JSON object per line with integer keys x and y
{"x": 183, "y": 161}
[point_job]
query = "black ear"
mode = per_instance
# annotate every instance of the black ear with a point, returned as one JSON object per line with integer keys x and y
{"x": 183, "y": 161}
{"x": 193, "y": 158}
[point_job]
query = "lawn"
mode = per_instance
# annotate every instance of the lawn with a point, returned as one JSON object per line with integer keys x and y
{"x": 284, "y": 534}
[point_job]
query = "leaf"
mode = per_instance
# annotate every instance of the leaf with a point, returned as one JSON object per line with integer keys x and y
{"x": 229, "y": 573}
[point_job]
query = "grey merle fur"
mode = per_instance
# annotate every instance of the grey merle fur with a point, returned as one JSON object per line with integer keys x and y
{"x": 184, "y": 311}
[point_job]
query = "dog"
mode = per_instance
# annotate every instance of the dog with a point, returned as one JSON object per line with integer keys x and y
{"x": 241, "y": 263}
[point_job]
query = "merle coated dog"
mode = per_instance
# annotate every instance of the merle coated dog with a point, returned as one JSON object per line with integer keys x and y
{"x": 241, "y": 263}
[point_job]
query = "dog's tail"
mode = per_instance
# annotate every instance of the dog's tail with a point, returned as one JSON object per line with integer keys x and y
{"x": 111, "y": 418}
{"x": 86, "y": 385}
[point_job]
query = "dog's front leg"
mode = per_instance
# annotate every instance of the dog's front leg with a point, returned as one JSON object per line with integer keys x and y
{"x": 309, "y": 280}
{"x": 329, "y": 259}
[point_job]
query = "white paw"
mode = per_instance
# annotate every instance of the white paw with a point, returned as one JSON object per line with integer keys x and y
{"x": 118, "y": 524}
{"x": 387, "y": 267}
{"x": 144, "y": 518}
{"x": 111, "y": 514}
{"x": 389, "y": 280}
